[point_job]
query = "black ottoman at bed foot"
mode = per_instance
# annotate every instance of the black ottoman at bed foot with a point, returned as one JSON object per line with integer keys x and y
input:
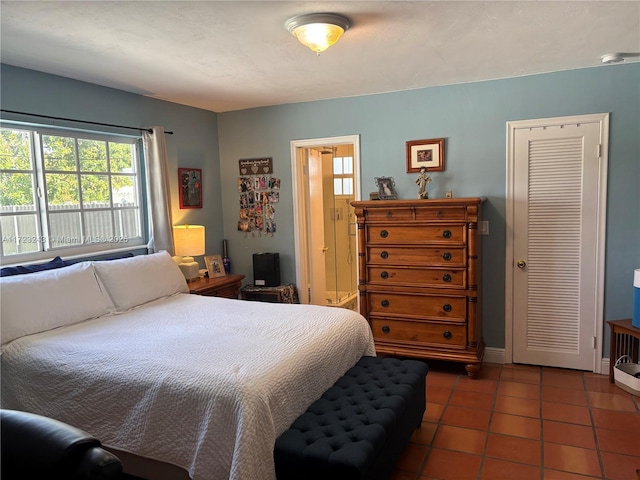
{"x": 359, "y": 427}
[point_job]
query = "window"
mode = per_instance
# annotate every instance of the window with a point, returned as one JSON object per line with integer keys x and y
{"x": 68, "y": 192}
{"x": 343, "y": 175}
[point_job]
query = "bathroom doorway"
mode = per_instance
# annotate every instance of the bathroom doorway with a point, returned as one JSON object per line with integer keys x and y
{"x": 325, "y": 176}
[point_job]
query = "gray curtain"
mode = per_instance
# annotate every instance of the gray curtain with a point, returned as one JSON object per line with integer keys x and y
{"x": 158, "y": 191}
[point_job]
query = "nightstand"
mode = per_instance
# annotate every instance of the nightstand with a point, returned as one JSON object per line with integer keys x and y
{"x": 227, "y": 286}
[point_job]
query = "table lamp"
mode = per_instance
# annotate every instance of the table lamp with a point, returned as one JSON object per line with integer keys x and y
{"x": 188, "y": 241}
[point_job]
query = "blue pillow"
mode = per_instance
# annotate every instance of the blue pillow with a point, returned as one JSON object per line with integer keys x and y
{"x": 38, "y": 267}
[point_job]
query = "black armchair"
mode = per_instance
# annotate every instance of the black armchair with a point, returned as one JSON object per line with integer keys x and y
{"x": 39, "y": 447}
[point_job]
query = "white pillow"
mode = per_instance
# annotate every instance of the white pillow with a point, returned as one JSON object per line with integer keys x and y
{"x": 41, "y": 301}
{"x": 136, "y": 280}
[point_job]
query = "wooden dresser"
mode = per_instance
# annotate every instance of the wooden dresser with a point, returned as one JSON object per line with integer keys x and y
{"x": 419, "y": 271}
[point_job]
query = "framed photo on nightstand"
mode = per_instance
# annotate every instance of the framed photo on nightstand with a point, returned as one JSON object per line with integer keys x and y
{"x": 215, "y": 267}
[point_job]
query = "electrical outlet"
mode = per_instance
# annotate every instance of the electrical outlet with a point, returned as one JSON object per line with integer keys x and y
{"x": 449, "y": 195}
{"x": 483, "y": 227}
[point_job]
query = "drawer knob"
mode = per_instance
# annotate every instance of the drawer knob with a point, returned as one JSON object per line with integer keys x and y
{"x": 386, "y": 329}
{"x": 384, "y": 303}
{"x": 384, "y": 234}
{"x": 446, "y": 307}
{"x": 446, "y": 256}
{"x": 384, "y": 254}
{"x": 446, "y": 234}
{"x": 384, "y": 275}
{"x": 446, "y": 277}
{"x": 447, "y": 334}
{"x": 389, "y": 214}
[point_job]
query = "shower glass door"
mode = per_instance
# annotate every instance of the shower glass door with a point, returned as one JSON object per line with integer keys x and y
{"x": 340, "y": 228}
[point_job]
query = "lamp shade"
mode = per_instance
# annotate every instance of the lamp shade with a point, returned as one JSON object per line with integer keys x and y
{"x": 188, "y": 240}
{"x": 318, "y": 31}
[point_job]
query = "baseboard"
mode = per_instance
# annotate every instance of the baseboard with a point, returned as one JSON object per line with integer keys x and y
{"x": 496, "y": 355}
{"x": 493, "y": 355}
{"x": 604, "y": 366}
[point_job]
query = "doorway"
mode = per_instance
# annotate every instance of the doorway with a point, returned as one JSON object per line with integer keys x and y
{"x": 325, "y": 174}
{"x": 556, "y": 206}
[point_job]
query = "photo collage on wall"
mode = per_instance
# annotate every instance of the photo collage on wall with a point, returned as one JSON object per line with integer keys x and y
{"x": 259, "y": 192}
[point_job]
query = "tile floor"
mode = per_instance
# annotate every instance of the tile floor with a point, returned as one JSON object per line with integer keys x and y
{"x": 522, "y": 422}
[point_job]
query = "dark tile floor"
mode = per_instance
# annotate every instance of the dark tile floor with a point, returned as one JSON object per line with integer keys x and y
{"x": 523, "y": 422}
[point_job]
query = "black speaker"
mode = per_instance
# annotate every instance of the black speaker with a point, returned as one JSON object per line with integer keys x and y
{"x": 266, "y": 269}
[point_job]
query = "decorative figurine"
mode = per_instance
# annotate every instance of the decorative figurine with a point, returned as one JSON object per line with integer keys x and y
{"x": 422, "y": 181}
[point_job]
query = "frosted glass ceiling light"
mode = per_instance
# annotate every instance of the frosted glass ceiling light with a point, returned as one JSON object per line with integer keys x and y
{"x": 612, "y": 58}
{"x": 318, "y": 31}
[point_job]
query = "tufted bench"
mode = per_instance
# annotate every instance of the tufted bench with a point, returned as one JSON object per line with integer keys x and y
{"x": 359, "y": 427}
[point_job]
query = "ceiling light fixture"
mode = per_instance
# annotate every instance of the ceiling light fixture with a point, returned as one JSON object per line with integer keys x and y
{"x": 613, "y": 58}
{"x": 318, "y": 31}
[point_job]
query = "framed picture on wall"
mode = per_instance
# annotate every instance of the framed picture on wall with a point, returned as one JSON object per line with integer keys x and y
{"x": 215, "y": 267}
{"x": 425, "y": 153}
{"x": 190, "y": 187}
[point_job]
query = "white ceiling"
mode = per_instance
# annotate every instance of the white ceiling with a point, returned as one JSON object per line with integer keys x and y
{"x": 232, "y": 55}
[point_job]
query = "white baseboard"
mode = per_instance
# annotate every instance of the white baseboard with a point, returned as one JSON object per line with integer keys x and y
{"x": 493, "y": 355}
{"x": 604, "y": 366}
{"x": 496, "y": 355}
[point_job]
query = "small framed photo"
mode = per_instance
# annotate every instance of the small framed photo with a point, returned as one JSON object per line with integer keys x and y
{"x": 425, "y": 153}
{"x": 190, "y": 187}
{"x": 386, "y": 188}
{"x": 215, "y": 267}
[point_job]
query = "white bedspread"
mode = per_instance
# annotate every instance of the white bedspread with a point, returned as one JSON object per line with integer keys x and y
{"x": 200, "y": 382}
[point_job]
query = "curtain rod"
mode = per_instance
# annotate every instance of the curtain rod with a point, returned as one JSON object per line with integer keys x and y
{"x": 81, "y": 121}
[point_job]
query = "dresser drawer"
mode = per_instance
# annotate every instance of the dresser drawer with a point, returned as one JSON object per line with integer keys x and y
{"x": 387, "y": 330}
{"x": 411, "y": 235}
{"x": 441, "y": 213}
{"x": 390, "y": 213}
{"x": 443, "y": 307}
{"x": 438, "y": 256}
{"x": 423, "y": 277}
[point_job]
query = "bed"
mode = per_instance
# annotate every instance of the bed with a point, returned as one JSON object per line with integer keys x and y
{"x": 203, "y": 383}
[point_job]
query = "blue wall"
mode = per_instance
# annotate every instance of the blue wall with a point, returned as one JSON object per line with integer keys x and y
{"x": 472, "y": 117}
{"x": 193, "y": 144}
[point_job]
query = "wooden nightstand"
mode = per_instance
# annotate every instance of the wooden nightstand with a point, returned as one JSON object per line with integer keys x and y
{"x": 227, "y": 286}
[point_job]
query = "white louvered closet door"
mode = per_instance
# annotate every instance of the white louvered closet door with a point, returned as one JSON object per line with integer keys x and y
{"x": 556, "y": 184}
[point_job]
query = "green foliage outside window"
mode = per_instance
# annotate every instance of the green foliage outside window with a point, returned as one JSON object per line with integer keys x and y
{"x": 89, "y": 195}
{"x": 15, "y": 188}
{"x": 61, "y": 155}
